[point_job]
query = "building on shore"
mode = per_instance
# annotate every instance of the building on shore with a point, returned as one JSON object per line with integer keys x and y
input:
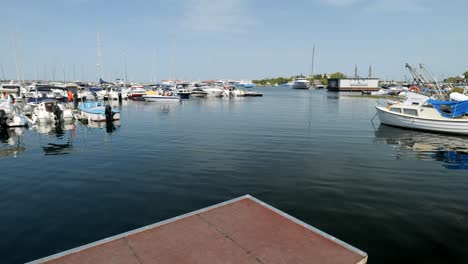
{"x": 353, "y": 84}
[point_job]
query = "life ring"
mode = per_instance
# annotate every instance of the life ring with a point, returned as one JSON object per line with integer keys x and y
{"x": 414, "y": 89}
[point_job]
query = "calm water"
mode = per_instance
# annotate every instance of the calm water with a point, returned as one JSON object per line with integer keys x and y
{"x": 399, "y": 195}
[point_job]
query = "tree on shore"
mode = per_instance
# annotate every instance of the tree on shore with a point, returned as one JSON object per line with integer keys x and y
{"x": 337, "y": 75}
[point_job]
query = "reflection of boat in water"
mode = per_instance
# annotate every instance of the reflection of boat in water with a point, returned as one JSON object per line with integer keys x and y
{"x": 109, "y": 126}
{"x": 59, "y": 143}
{"x": 452, "y": 150}
{"x": 54, "y": 129}
{"x": 10, "y": 143}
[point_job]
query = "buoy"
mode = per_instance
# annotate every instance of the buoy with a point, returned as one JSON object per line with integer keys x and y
{"x": 414, "y": 89}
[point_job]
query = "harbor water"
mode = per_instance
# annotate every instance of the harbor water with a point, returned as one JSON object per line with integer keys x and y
{"x": 399, "y": 195}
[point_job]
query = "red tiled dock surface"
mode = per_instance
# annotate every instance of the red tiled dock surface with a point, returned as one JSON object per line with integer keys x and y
{"x": 240, "y": 231}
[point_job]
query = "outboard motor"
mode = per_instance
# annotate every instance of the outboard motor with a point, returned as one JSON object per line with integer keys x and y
{"x": 109, "y": 114}
{"x": 75, "y": 100}
{"x": 120, "y": 97}
{"x": 3, "y": 118}
{"x": 58, "y": 114}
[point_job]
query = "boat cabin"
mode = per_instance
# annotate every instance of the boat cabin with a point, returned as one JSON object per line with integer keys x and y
{"x": 404, "y": 110}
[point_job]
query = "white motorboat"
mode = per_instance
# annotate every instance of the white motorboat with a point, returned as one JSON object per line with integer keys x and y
{"x": 136, "y": 93}
{"x": 155, "y": 97}
{"x": 380, "y": 92}
{"x": 97, "y": 112}
{"x": 117, "y": 94}
{"x": 301, "y": 83}
{"x": 199, "y": 92}
{"x": 183, "y": 93}
{"x": 10, "y": 114}
{"x": 51, "y": 111}
{"x": 213, "y": 91}
{"x": 422, "y": 113}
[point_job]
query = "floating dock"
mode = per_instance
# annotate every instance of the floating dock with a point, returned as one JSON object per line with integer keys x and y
{"x": 242, "y": 230}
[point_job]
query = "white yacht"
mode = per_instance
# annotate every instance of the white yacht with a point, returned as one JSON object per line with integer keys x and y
{"x": 301, "y": 83}
{"x": 213, "y": 91}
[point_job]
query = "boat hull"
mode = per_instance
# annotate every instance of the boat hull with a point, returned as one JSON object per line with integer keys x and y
{"x": 161, "y": 98}
{"x": 184, "y": 95}
{"x": 97, "y": 117}
{"x": 301, "y": 85}
{"x": 446, "y": 125}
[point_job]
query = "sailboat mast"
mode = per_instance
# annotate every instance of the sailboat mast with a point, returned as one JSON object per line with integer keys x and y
{"x": 16, "y": 58}
{"x": 313, "y": 58}
{"x": 125, "y": 69}
{"x": 3, "y": 72}
{"x": 99, "y": 56}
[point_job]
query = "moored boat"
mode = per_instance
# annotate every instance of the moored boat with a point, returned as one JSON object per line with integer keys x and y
{"x": 301, "y": 83}
{"x": 137, "y": 93}
{"x": 51, "y": 111}
{"x": 422, "y": 113}
{"x": 161, "y": 98}
{"x": 183, "y": 93}
{"x": 97, "y": 112}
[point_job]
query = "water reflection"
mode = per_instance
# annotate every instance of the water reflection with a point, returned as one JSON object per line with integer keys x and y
{"x": 62, "y": 134}
{"x": 10, "y": 139}
{"x": 451, "y": 150}
{"x": 109, "y": 126}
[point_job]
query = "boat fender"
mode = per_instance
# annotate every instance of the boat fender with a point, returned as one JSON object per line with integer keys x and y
{"x": 414, "y": 89}
{"x": 3, "y": 123}
{"x": 109, "y": 114}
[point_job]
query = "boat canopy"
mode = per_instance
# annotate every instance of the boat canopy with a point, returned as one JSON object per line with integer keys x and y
{"x": 450, "y": 108}
{"x": 94, "y": 89}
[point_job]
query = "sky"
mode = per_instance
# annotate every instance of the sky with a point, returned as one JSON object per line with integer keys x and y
{"x": 230, "y": 39}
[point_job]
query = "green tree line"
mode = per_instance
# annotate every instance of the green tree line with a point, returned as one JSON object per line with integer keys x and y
{"x": 323, "y": 78}
{"x": 457, "y": 79}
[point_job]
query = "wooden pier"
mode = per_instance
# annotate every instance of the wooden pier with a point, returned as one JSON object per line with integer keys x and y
{"x": 242, "y": 230}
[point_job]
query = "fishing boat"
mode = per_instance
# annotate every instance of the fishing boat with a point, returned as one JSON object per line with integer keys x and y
{"x": 97, "y": 112}
{"x": 422, "y": 112}
{"x": 51, "y": 111}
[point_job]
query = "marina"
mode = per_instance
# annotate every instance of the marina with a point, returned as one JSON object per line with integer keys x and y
{"x": 209, "y": 150}
{"x": 233, "y": 131}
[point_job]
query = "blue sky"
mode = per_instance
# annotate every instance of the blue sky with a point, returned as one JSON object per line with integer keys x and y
{"x": 236, "y": 39}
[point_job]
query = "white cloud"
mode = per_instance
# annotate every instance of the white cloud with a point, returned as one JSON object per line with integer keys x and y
{"x": 218, "y": 16}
